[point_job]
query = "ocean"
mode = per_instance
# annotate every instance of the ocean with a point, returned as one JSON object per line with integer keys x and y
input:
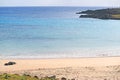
{"x": 56, "y": 32}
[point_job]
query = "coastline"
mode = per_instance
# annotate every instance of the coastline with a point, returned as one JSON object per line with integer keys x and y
{"x": 105, "y": 14}
{"x": 35, "y": 49}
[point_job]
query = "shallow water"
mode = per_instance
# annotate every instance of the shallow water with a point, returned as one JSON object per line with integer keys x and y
{"x": 52, "y": 32}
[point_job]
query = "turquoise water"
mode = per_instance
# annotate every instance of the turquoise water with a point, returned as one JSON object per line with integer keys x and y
{"x": 56, "y": 32}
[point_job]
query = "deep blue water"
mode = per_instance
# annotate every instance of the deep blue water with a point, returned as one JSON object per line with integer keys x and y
{"x": 51, "y": 32}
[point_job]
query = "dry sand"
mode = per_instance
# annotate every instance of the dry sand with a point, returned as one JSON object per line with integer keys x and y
{"x": 77, "y": 68}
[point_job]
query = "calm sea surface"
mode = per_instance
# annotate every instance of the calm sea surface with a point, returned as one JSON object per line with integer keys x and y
{"x": 56, "y": 32}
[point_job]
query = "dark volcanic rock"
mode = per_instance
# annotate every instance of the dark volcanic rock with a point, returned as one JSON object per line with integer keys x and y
{"x": 63, "y": 78}
{"x": 10, "y": 63}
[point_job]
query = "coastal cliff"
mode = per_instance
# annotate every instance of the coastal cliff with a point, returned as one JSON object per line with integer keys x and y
{"x": 110, "y": 13}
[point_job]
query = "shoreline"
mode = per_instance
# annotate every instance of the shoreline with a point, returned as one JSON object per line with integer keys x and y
{"x": 75, "y": 53}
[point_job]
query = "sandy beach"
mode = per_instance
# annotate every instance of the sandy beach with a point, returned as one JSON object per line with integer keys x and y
{"x": 77, "y": 68}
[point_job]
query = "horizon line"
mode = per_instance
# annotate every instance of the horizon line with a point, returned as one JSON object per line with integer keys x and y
{"x": 64, "y": 6}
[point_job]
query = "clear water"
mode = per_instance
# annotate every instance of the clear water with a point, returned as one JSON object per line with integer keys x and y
{"x": 56, "y": 32}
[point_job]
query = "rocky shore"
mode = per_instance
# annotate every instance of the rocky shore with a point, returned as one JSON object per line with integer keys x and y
{"x": 109, "y": 13}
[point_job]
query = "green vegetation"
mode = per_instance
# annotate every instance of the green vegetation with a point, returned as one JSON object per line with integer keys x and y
{"x": 110, "y": 13}
{"x": 23, "y": 77}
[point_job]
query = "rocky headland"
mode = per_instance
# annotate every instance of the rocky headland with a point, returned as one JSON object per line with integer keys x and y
{"x": 109, "y": 13}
